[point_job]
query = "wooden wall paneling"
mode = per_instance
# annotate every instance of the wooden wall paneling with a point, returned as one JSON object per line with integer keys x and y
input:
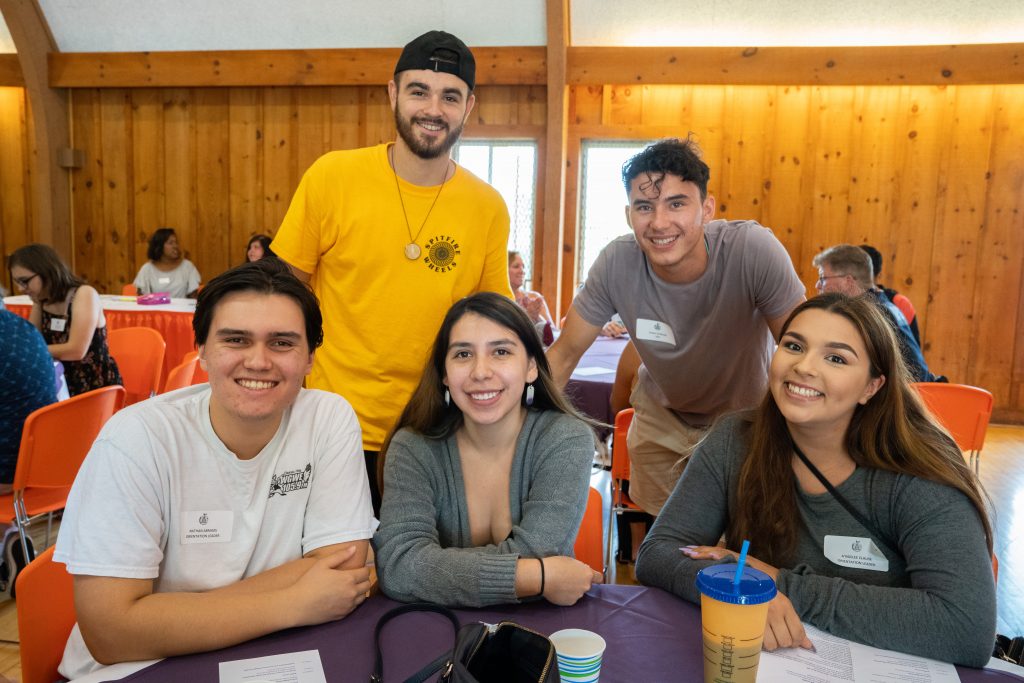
{"x": 10, "y": 72}
{"x": 212, "y": 248}
{"x": 950, "y": 343}
{"x": 495, "y": 105}
{"x": 1001, "y": 254}
{"x": 14, "y": 191}
{"x": 87, "y": 185}
{"x": 829, "y": 153}
{"x": 313, "y": 127}
{"x": 280, "y": 175}
{"x": 623, "y": 105}
{"x": 585, "y": 102}
{"x": 245, "y": 168}
{"x": 926, "y": 113}
{"x": 179, "y": 168}
{"x": 114, "y": 240}
{"x": 876, "y": 166}
{"x": 667, "y": 105}
{"x": 533, "y": 106}
{"x": 747, "y": 131}
{"x": 708, "y": 105}
{"x": 784, "y": 189}
{"x": 148, "y": 171}
{"x": 344, "y": 108}
{"x": 376, "y": 120}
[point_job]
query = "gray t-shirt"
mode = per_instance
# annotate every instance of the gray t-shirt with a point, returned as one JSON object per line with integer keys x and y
{"x": 722, "y": 346}
{"x": 179, "y": 282}
{"x": 937, "y": 598}
{"x": 424, "y": 547}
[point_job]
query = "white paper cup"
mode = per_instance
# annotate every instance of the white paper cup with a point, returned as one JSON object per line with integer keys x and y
{"x": 579, "y": 654}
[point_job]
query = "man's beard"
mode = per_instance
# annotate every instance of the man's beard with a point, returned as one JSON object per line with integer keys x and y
{"x": 421, "y": 149}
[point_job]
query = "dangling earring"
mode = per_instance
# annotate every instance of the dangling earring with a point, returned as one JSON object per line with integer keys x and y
{"x": 529, "y": 394}
{"x": 447, "y": 398}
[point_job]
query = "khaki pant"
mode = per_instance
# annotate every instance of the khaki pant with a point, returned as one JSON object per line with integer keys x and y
{"x": 659, "y": 446}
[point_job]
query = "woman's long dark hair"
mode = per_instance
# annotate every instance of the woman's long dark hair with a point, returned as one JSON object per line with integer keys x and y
{"x": 893, "y": 431}
{"x": 42, "y": 260}
{"x": 426, "y": 412}
{"x": 264, "y": 242}
{"x": 155, "y": 250}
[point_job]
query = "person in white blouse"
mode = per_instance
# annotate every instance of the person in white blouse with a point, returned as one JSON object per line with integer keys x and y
{"x": 167, "y": 270}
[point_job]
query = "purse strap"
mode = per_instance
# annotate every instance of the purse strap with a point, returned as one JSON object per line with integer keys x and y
{"x": 854, "y": 512}
{"x": 429, "y": 669}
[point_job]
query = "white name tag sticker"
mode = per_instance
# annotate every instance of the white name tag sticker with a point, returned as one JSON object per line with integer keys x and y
{"x": 655, "y": 331}
{"x": 206, "y": 526}
{"x": 58, "y": 324}
{"x": 855, "y": 553}
{"x": 163, "y": 280}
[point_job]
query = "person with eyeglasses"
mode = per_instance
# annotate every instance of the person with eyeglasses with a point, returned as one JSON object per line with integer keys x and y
{"x": 847, "y": 269}
{"x": 68, "y": 314}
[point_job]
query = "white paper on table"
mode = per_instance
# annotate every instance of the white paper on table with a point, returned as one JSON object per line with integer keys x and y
{"x": 292, "y": 667}
{"x": 586, "y": 372}
{"x": 838, "y": 659}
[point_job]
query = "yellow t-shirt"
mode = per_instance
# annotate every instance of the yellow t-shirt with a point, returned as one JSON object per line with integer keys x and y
{"x": 381, "y": 310}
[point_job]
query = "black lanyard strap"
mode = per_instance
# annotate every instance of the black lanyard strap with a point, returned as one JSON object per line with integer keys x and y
{"x": 854, "y": 512}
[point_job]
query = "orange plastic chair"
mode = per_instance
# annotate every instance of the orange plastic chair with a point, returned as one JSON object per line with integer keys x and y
{"x": 589, "y": 547}
{"x": 200, "y": 376}
{"x": 54, "y": 442}
{"x": 129, "y": 290}
{"x": 621, "y": 502}
{"x": 963, "y": 410}
{"x": 46, "y": 615}
{"x": 181, "y": 376}
{"x": 139, "y": 352}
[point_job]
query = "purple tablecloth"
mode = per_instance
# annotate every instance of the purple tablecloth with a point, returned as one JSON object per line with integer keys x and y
{"x": 652, "y": 637}
{"x": 591, "y": 394}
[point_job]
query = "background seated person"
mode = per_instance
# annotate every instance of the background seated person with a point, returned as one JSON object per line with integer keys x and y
{"x": 846, "y": 269}
{"x": 27, "y": 383}
{"x": 900, "y": 300}
{"x": 531, "y": 302}
{"x": 915, "y": 575}
{"x": 258, "y": 248}
{"x": 167, "y": 270}
{"x": 485, "y": 478}
{"x": 69, "y": 315}
{"x": 240, "y": 507}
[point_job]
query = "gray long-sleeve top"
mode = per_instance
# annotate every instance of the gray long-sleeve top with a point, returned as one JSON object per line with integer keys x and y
{"x": 423, "y": 546}
{"x": 937, "y": 598}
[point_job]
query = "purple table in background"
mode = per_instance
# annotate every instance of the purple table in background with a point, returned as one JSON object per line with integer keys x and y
{"x": 652, "y": 637}
{"x": 591, "y": 393}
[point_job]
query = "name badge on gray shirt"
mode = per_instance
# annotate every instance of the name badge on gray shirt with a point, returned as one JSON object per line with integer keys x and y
{"x": 855, "y": 553}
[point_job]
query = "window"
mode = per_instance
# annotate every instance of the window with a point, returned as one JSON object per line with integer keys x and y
{"x": 510, "y": 166}
{"x": 602, "y": 198}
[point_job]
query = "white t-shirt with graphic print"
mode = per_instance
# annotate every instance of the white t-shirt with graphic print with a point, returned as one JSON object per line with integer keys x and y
{"x": 160, "y": 497}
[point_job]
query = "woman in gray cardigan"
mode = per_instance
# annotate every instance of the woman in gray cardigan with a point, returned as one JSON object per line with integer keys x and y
{"x": 486, "y": 474}
{"x": 908, "y": 569}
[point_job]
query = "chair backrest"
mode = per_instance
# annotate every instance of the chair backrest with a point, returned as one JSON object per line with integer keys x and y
{"x": 56, "y": 438}
{"x": 181, "y": 376}
{"x": 200, "y": 376}
{"x": 589, "y": 546}
{"x": 129, "y": 290}
{"x": 963, "y": 410}
{"x": 46, "y": 614}
{"x": 139, "y": 352}
{"x": 620, "y": 453}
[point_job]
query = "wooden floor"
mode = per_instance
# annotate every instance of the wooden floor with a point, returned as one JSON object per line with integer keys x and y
{"x": 1002, "y": 473}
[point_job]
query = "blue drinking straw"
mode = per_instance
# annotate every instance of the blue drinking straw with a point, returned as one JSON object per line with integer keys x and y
{"x": 741, "y": 563}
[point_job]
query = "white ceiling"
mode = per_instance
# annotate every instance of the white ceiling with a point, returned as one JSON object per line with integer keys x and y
{"x": 137, "y": 25}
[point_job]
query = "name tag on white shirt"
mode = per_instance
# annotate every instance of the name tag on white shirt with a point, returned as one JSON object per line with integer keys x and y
{"x": 58, "y": 324}
{"x": 163, "y": 280}
{"x": 654, "y": 330}
{"x": 206, "y": 526}
{"x": 855, "y": 553}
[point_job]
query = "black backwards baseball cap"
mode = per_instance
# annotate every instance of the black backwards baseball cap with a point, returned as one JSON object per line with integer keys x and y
{"x": 439, "y": 51}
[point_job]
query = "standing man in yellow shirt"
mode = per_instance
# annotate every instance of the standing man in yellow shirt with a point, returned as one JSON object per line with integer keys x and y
{"x": 390, "y": 236}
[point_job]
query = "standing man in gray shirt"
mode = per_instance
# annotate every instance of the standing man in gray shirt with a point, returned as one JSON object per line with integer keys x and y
{"x": 703, "y": 301}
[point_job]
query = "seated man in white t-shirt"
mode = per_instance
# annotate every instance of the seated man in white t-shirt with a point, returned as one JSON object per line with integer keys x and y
{"x": 219, "y": 513}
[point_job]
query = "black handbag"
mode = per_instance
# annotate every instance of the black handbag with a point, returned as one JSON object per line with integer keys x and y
{"x": 483, "y": 653}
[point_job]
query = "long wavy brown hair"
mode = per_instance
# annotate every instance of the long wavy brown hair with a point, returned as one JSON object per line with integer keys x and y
{"x": 893, "y": 431}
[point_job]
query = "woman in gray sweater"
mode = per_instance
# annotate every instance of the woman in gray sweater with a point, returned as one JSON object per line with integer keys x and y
{"x": 486, "y": 474}
{"x": 909, "y": 569}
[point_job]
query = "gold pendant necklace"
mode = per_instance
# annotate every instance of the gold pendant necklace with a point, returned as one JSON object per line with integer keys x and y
{"x": 412, "y": 250}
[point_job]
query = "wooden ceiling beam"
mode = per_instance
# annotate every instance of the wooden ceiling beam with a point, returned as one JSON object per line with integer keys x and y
{"x": 904, "y": 65}
{"x": 359, "y": 66}
{"x": 548, "y": 264}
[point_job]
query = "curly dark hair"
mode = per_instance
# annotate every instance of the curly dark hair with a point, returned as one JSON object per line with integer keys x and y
{"x": 673, "y": 156}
